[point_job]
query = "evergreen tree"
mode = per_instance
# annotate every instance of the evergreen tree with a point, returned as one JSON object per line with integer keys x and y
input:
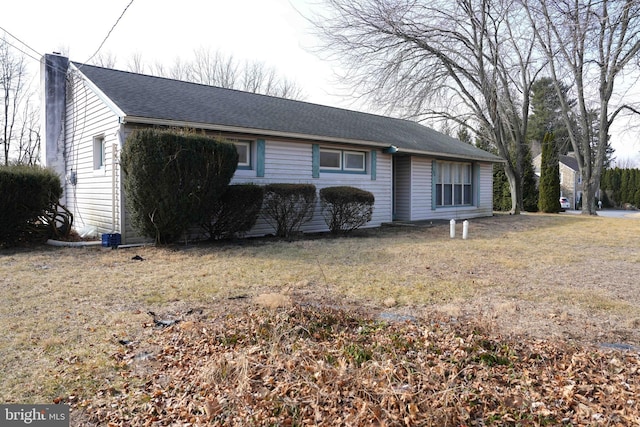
{"x": 546, "y": 116}
{"x": 501, "y": 189}
{"x": 626, "y": 190}
{"x": 616, "y": 181}
{"x": 529, "y": 184}
{"x": 549, "y": 200}
{"x": 464, "y": 135}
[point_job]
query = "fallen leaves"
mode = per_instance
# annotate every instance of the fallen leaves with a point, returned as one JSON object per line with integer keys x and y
{"x": 312, "y": 365}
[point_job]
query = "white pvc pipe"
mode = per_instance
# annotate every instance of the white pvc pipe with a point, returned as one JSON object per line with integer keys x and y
{"x": 465, "y": 229}
{"x": 73, "y": 244}
{"x": 452, "y": 228}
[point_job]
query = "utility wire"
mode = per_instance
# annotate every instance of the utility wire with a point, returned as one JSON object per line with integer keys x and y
{"x": 24, "y": 44}
{"x": 109, "y": 33}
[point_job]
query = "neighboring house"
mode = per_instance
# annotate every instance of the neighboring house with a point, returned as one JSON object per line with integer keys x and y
{"x": 570, "y": 179}
{"x": 414, "y": 172}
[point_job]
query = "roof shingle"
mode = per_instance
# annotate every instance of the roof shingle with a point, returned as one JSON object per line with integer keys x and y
{"x": 162, "y": 99}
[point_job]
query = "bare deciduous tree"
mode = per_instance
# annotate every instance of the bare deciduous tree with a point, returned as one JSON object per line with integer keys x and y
{"x": 469, "y": 62}
{"x": 29, "y": 139}
{"x": 13, "y": 73}
{"x": 178, "y": 71}
{"x": 591, "y": 45}
{"x": 135, "y": 64}
{"x": 104, "y": 59}
{"x": 214, "y": 68}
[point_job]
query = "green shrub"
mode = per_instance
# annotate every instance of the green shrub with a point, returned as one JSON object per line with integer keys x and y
{"x": 26, "y": 193}
{"x": 549, "y": 200}
{"x": 346, "y": 208}
{"x": 287, "y": 206}
{"x": 236, "y": 212}
{"x": 173, "y": 178}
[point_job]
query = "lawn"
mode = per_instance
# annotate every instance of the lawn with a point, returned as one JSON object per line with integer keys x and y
{"x": 283, "y": 333}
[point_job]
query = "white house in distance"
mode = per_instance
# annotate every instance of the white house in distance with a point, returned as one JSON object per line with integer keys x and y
{"x": 414, "y": 172}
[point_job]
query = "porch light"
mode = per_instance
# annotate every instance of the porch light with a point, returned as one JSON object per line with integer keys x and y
{"x": 392, "y": 149}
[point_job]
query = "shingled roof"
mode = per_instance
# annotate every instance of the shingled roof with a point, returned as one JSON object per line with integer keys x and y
{"x": 149, "y": 99}
{"x": 569, "y": 161}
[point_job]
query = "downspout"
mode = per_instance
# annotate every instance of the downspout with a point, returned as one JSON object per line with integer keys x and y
{"x": 114, "y": 152}
{"x": 120, "y": 184}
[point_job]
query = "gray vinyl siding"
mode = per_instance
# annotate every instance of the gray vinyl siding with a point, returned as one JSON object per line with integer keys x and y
{"x": 414, "y": 184}
{"x": 402, "y": 186}
{"x": 291, "y": 162}
{"x": 485, "y": 205}
{"x": 91, "y": 199}
{"x": 482, "y": 207}
{"x": 420, "y": 188}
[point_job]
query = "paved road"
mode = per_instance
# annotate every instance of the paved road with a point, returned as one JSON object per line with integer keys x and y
{"x": 612, "y": 213}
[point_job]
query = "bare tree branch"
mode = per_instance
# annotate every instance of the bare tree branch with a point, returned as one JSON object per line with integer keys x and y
{"x": 470, "y": 61}
{"x": 13, "y": 73}
{"x": 589, "y": 44}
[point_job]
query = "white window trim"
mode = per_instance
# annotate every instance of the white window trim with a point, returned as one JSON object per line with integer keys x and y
{"x": 331, "y": 168}
{"x": 358, "y": 153}
{"x": 451, "y": 168}
{"x": 342, "y": 161}
{"x": 248, "y": 144}
{"x": 99, "y": 153}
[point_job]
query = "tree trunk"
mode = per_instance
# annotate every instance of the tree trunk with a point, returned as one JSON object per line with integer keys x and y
{"x": 589, "y": 189}
{"x": 515, "y": 188}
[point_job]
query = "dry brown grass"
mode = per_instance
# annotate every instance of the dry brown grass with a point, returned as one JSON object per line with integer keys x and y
{"x": 64, "y": 310}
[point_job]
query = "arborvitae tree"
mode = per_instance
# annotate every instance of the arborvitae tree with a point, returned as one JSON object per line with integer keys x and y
{"x": 529, "y": 184}
{"x": 616, "y": 180}
{"x": 549, "y": 200}
{"x": 501, "y": 189}
{"x": 636, "y": 201}
{"x": 627, "y": 193}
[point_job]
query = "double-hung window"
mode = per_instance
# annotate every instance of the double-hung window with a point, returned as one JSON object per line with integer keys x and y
{"x": 454, "y": 184}
{"x": 332, "y": 160}
{"x": 244, "y": 153}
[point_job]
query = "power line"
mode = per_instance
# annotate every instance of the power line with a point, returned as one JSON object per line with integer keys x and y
{"x": 109, "y": 33}
{"x": 23, "y": 43}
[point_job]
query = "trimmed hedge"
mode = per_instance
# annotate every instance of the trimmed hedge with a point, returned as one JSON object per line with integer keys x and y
{"x": 173, "y": 178}
{"x": 236, "y": 212}
{"x": 346, "y": 208}
{"x": 26, "y": 193}
{"x": 287, "y": 206}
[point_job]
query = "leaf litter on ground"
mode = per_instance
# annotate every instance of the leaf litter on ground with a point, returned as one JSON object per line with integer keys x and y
{"x": 309, "y": 364}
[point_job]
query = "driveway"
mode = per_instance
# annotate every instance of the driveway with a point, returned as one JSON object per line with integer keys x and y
{"x": 611, "y": 213}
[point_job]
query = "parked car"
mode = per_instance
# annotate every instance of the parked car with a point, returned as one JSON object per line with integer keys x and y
{"x": 564, "y": 203}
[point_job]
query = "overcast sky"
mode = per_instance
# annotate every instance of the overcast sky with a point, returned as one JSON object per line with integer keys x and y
{"x": 270, "y": 31}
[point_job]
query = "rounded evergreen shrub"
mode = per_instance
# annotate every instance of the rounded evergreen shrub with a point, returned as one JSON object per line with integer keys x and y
{"x": 346, "y": 208}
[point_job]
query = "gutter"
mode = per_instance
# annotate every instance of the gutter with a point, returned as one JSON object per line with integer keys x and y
{"x": 124, "y": 119}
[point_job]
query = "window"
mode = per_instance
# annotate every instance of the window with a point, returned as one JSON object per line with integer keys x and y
{"x": 244, "y": 153}
{"x": 345, "y": 161}
{"x": 98, "y": 153}
{"x": 354, "y": 161}
{"x": 453, "y": 184}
